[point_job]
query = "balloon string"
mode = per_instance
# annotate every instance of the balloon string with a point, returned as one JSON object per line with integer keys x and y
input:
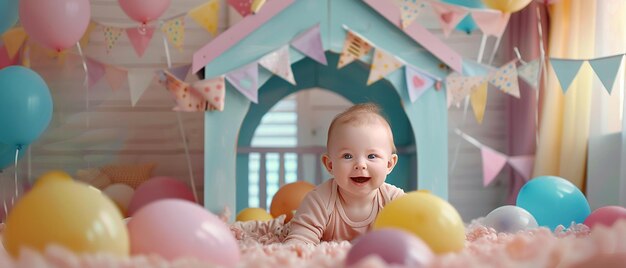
{"x": 85, "y": 83}
{"x": 17, "y": 154}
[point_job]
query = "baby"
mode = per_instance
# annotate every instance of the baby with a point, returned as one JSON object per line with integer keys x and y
{"x": 360, "y": 154}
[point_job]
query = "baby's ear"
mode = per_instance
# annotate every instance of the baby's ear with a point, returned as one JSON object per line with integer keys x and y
{"x": 327, "y": 163}
{"x": 393, "y": 160}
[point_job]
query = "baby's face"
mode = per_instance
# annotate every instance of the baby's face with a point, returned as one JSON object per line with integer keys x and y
{"x": 360, "y": 157}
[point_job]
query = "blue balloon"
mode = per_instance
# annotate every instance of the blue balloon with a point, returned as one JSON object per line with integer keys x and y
{"x": 7, "y": 155}
{"x": 25, "y": 105}
{"x": 553, "y": 201}
{"x": 8, "y": 14}
{"x": 467, "y": 24}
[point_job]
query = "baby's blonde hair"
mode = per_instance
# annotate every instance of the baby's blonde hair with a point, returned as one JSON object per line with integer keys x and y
{"x": 360, "y": 114}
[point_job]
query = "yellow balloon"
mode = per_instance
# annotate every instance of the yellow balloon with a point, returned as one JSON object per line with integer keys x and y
{"x": 507, "y": 6}
{"x": 69, "y": 214}
{"x": 52, "y": 175}
{"x": 429, "y": 217}
{"x": 253, "y": 214}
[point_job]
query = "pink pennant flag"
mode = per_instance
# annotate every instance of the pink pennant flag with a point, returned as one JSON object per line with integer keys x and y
{"x": 95, "y": 71}
{"x": 246, "y": 80}
{"x": 449, "y": 15}
{"x": 140, "y": 38}
{"x": 278, "y": 63}
{"x": 310, "y": 44}
{"x": 115, "y": 76}
{"x": 180, "y": 71}
{"x": 491, "y": 22}
{"x": 493, "y": 162}
{"x": 505, "y": 79}
{"x": 243, "y": 7}
{"x": 383, "y": 64}
{"x": 523, "y": 165}
{"x": 409, "y": 10}
{"x": 5, "y": 60}
{"x": 417, "y": 82}
{"x": 212, "y": 91}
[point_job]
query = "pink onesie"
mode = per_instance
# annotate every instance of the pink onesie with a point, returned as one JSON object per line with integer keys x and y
{"x": 321, "y": 216}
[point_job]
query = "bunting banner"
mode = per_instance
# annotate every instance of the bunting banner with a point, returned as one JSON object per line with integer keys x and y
{"x": 115, "y": 77}
{"x": 523, "y": 165}
{"x": 204, "y": 95}
{"x": 354, "y": 47}
{"x": 382, "y": 65}
{"x": 493, "y": 162}
{"x": 138, "y": 81}
{"x": 459, "y": 87}
{"x": 278, "y": 63}
{"x": 95, "y": 72}
{"x": 243, "y": 7}
{"x": 505, "y": 79}
{"x": 310, "y": 44}
{"x": 409, "y": 10}
{"x": 566, "y": 71}
{"x": 140, "y": 38}
{"x": 206, "y": 16}
{"x": 449, "y": 15}
{"x": 491, "y": 22}
{"x": 417, "y": 82}
{"x": 174, "y": 29}
{"x": 478, "y": 99}
{"x": 13, "y": 40}
{"x": 84, "y": 41}
{"x": 246, "y": 80}
{"x": 180, "y": 71}
{"x": 111, "y": 35}
{"x": 606, "y": 70}
{"x": 529, "y": 72}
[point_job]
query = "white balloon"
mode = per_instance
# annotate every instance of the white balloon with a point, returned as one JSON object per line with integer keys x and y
{"x": 121, "y": 194}
{"x": 510, "y": 219}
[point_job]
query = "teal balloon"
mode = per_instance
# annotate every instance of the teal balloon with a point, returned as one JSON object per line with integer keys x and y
{"x": 8, "y": 14}
{"x": 466, "y": 25}
{"x": 7, "y": 155}
{"x": 553, "y": 201}
{"x": 25, "y": 106}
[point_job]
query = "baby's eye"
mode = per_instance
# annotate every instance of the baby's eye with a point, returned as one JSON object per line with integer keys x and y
{"x": 371, "y": 156}
{"x": 347, "y": 156}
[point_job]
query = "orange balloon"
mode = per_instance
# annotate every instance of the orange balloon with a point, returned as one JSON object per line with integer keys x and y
{"x": 52, "y": 175}
{"x": 288, "y": 198}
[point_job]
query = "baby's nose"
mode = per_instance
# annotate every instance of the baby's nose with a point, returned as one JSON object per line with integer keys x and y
{"x": 359, "y": 166}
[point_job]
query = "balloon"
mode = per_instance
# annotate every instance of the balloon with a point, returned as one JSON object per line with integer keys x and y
{"x": 55, "y": 24}
{"x": 288, "y": 198}
{"x": 606, "y": 216}
{"x": 510, "y": 219}
{"x": 144, "y": 10}
{"x": 53, "y": 175}
{"x": 394, "y": 246}
{"x": 466, "y": 25}
{"x": 506, "y": 6}
{"x": 8, "y": 14}
{"x": 553, "y": 201}
{"x": 428, "y": 217}
{"x": 253, "y": 214}
{"x": 69, "y": 214}
{"x": 159, "y": 188}
{"x": 121, "y": 194}
{"x": 175, "y": 229}
{"x": 25, "y": 105}
{"x": 7, "y": 155}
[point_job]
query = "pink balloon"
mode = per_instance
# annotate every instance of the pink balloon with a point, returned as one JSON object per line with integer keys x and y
{"x": 55, "y": 24}
{"x": 176, "y": 229}
{"x": 605, "y": 216}
{"x": 158, "y": 188}
{"x": 144, "y": 10}
{"x": 393, "y": 246}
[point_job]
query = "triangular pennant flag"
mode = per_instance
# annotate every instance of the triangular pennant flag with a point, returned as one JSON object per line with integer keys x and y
{"x": 417, "y": 82}
{"x": 493, "y": 162}
{"x": 5, "y": 60}
{"x": 566, "y": 71}
{"x": 140, "y": 38}
{"x": 383, "y": 64}
{"x": 13, "y": 40}
{"x": 523, "y": 165}
{"x": 409, "y": 10}
{"x": 478, "y": 98}
{"x": 207, "y": 16}
{"x": 310, "y": 44}
{"x": 449, "y": 15}
{"x": 243, "y": 7}
{"x": 84, "y": 41}
{"x": 95, "y": 71}
{"x": 111, "y": 35}
{"x": 278, "y": 63}
{"x": 174, "y": 29}
{"x": 186, "y": 101}
{"x": 246, "y": 80}
{"x": 490, "y": 22}
{"x": 181, "y": 71}
{"x": 606, "y": 69}
{"x": 212, "y": 91}
{"x": 115, "y": 76}
{"x": 257, "y": 5}
{"x": 354, "y": 47}
{"x": 529, "y": 72}
{"x": 459, "y": 87}
{"x": 138, "y": 81}
{"x": 505, "y": 79}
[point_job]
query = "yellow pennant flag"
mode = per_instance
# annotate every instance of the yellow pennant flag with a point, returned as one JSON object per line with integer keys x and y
{"x": 13, "y": 40}
{"x": 84, "y": 41}
{"x": 478, "y": 98}
{"x": 174, "y": 29}
{"x": 207, "y": 16}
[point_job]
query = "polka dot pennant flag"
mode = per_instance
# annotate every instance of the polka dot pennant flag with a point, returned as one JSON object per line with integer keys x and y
{"x": 207, "y": 16}
{"x": 111, "y": 35}
{"x": 354, "y": 47}
{"x": 409, "y": 10}
{"x": 278, "y": 63}
{"x": 204, "y": 95}
{"x": 174, "y": 29}
{"x": 529, "y": 72}
{"x": 459, "y": 87}
{"x": 212, "y": 91}
{"x": 243, "y": 7}
{"x": 505, "y": 79}
{"x": 383, "y": 64}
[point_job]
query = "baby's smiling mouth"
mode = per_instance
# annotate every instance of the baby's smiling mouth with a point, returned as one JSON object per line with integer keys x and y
{"x": 360, "y": 179}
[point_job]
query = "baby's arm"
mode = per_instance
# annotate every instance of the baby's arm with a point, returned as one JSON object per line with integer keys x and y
{"x": 310, "y": 221}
